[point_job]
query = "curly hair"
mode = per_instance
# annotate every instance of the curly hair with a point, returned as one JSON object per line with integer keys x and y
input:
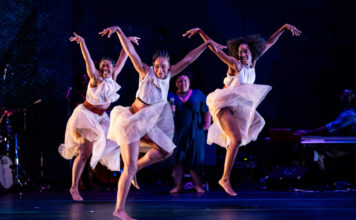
{"x": 161, "y": 53}
{"x": 255, "y": 43}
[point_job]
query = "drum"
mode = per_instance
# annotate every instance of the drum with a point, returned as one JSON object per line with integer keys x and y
{"x": 6, "y": 179}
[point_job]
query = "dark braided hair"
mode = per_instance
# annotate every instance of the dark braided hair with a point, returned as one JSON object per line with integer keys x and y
{"x": 255, "y": 43}
{"x": 161, "y": 53}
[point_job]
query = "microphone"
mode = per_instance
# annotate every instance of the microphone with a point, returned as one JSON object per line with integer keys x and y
{"x": 5, "y": 71}
{"x": 68, "y": 92}
{"x": 171, "y": 102}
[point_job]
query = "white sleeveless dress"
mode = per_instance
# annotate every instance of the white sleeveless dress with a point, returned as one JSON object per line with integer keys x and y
{"x": 155, "y": 120}
{"x": 241, "y": 97}
{"x": 93, "y": 127}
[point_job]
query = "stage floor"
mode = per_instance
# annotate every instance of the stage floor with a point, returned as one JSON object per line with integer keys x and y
{"x": 155, "y": 204}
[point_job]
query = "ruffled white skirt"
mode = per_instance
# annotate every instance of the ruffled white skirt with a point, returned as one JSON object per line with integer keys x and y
{"x": 155, "y": 120}
{"x": 242, "y": 100}
{"x": 94, "y": 128}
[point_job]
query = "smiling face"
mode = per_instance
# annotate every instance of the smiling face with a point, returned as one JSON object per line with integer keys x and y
{"x": 161, "y": 67}
{"x": 183, "y": 84}
{"x": 244, "y": 54}
{"x": 106, "y": 68}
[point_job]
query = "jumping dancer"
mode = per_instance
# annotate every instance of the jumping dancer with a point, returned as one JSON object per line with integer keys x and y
{"x": 88, "y": 125}
{"x": 236, "y": 121}
{"x": 149, "y": 119}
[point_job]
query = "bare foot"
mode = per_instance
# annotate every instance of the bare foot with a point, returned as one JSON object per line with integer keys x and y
{"x": 75, "y": 194}
{"x": 176, "y": 189}
{"x": 134, "y": 183}
{"x": 225, "y": 184}
{"x": 122, "y": 215}
{"x": 199, "y": 189}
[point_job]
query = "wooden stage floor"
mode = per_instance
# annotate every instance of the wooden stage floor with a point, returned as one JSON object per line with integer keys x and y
{"x": 155, "y": 204}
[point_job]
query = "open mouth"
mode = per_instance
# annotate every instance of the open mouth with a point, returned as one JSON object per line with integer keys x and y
{"x": 106, "y": 72}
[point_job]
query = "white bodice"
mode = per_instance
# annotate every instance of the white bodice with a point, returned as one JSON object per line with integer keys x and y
{"x": 153, "y": 89}
{"x": 246, "y": 75}
{"x": 103, "y": 94}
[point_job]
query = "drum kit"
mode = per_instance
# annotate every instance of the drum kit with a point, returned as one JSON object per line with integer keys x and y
{"x": 12, "y": 175}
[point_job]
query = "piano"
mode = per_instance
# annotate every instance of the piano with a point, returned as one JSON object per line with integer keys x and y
{"x": 309, "y": 140}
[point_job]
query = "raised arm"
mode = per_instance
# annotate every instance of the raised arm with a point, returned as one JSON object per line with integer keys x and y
{"x": 203, "y": 35}
{"x": 140, "y": 67}
{"x": 122, "y": 58}
{"x": 233, "y": 64}
{"x": 274, "y": 38}
{"x": 191, "y": 57}
{"x": 91, "y": 70}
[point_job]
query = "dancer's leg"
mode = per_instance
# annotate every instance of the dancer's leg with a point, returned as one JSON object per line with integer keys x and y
{"x": 229, "y": 126}
{"x": 196, "y": 180}
{"x": 129, "y": 154}
{"x": 154, "y": 155}
{"x": 177, "y": 175}
{"x": 85, "y": 150}
{"x": 151, "y": 157}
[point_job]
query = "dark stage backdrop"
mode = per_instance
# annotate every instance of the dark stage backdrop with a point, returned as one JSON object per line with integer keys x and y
{"x": 307, "y": 73}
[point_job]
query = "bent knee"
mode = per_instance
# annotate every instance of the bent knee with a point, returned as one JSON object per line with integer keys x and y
{"x": 223, "y": 111}
{"x": 84, "y": 156}
{"x": 131, "y": 167}
{"x": 235, "y": 142}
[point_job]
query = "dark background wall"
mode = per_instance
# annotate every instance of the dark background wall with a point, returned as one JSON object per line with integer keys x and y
{"x": 307, "y": 73}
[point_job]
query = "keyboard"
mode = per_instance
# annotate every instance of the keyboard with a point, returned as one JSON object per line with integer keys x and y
{"x": 328, "y": 140}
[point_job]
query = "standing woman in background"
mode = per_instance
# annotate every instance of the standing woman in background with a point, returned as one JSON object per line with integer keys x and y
{"x": 88, "y": 125}
{"x": 149, "y": 119}
{"x": 236, "y": 121}
{"x": 191, "y": 118}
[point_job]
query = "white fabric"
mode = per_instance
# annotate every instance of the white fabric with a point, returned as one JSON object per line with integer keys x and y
{"x": 103, "y": 94}
{"x": 155, "y": 120}
{"x": 246, "y": 75}
{"x": 94, "y": 128}
{"x": 152, "y": 89}
{"x": 242, "y": 100}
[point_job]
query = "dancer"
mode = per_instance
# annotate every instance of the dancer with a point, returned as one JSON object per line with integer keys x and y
{"x": 191, "y": 119}
{"x": 88, "y": 125}
{"x": 236, "y": 121}
{"x": 149, "y": 119}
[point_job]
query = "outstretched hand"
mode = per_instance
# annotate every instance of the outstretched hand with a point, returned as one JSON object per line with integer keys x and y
{"x": 109, "y": 31}
{"x": 134, "y": 39}
{"x": 293, "y": 30}
{"x": 190, "y": 33}
{"x": 215, "y": 45}
{"x": 76, "y": 38}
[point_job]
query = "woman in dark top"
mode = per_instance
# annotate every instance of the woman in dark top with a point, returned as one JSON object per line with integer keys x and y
{"x": 191, "y": 119}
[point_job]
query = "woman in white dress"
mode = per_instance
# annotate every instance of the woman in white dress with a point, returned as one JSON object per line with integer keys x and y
{"x": 88, "y": 125}
{"x": 236, "y": 121}
{"x": 149, "y": 119}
